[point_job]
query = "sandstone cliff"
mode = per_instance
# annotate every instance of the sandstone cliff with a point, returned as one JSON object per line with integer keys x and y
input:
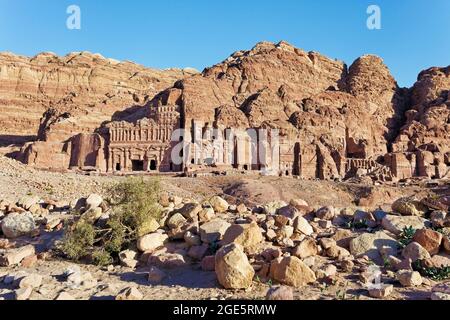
{"x": 72, "y": 94}
{"x": 328, "y": 112}
{"x": 335, "y": 111}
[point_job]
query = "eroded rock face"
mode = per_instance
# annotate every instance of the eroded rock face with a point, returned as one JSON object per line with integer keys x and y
{"x": 54, "y": 98}
{"x": 424, "y": 137}
{"x": 317, "y": 103}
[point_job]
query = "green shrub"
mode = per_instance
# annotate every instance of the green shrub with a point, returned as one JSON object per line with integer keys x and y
{"x": 78, "y": 239}
{"x": 134, "y": 204}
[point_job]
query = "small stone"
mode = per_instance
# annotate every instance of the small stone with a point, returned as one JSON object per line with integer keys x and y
{"x": 208, "y": 263}
{"x": 156, "y": 275}
{"x": 206, "y": 214}
{"x": 15, "y": 256}
{"x": 219, "y": 204}
{"x": 64, "y": 296}
{"x": 328, "y": 272}
{"x": 192, "y": 239}
{"x": 280, "y": 293}
{"x": 409, "y": 278}
{"x": 347, "y": 265}
{"x": 381, "y": 291}
{"x": 27, "y": 202}
{"x": 93, "y": 201}
{"x": 130, "y": 294}
{"x": 32, "y": 280}
{"x": 429, "y": 239}
{"x": 198, "y": 252}
{"x": 326, "y": 213}
{"x": 327, "y": 243}
{"x": 303, "y": 226}
{"x": 23, "y": 293}
{"x": 306, "y": 248}
{"x": 271, "y": 234}
{"x": 29, "y": 261}
{"x": 242, "y": 208}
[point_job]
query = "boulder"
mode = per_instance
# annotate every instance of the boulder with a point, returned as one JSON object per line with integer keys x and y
{"x": 15, "y": 256}
{"x": 302, "y": 225}
{"x": 409, "y": 207}
{"x": 396, "y": 224}
{"x": 415, "y": 252}
{"x": 291, "y": 271}
{"x": 280, "y": 293}
{"x": 247, "y": 235}
{"x": 16, "y": 225}
{"x": 32, "y": 280}
{"x": 289, "y": 212}
{"x": 381, "y": 290}
{"x": 409, "y": 278}
{"x": 190, "y": 211}
{"x": 232, "y": 267}
{"x": 93, "y": 201}
{"x": 151, "y": 241}
{"x": 213, "y": 230}
{"x": 175, "y": 221}
{"x": 306, "y": 248}
{"x": 27, "y": 202}
{"x": 429, "y": 239}
{"x": 369, "y": 244}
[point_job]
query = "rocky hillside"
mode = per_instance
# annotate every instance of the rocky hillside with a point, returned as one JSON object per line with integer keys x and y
{"x": 333, "y": 110}
{"x": 76, "y": 92}
{"x": 316, "y": 100}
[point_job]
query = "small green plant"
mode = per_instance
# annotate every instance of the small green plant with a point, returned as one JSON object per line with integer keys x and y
{"x": 356, "y": 225}
{"x": 433, "y": 273}
{"x": 135, "y": 211}
{"x": 214, "y": 246}
{"x": 406, "y": 236}
{"x": 387, "y": 263}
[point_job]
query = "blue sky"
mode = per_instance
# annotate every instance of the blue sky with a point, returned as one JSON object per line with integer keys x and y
{"x": 415, "y": 34}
